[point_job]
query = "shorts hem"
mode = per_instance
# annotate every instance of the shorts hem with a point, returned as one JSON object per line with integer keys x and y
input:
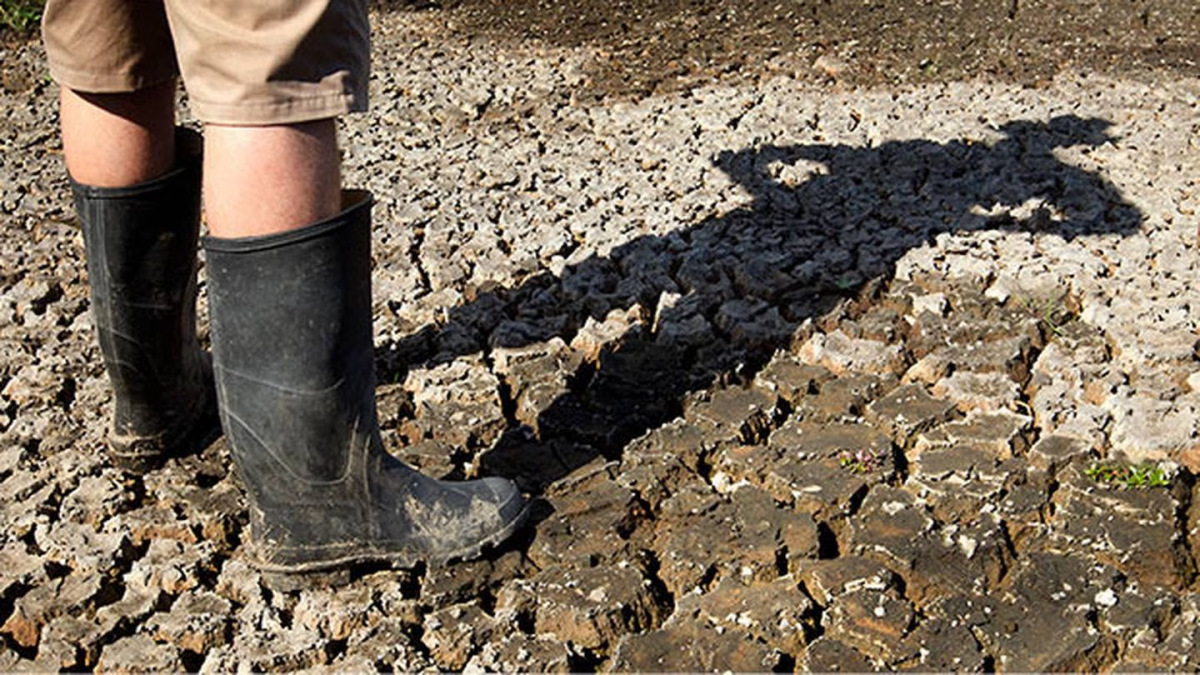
{"x": 107, "y": 82}
{"x": 292, "y": 111}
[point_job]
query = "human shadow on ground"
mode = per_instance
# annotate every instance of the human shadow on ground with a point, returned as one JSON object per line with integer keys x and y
{"x": 721, "y": 297}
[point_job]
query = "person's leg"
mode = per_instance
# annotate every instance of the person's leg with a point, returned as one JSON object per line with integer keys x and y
{"x": 289, "y": 265}
{"x": 115, "y": 140}
{"x": 289, "y": 293}
{"x": 135, "y": 180}
{"x": 288, "y": 258}
{"x": 136, "y": 185}
{"x": 294, "y": 363}
{"x": 268, "y": 179}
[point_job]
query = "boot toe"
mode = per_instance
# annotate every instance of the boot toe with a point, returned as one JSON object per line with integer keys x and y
{"x": 510, "y": 505}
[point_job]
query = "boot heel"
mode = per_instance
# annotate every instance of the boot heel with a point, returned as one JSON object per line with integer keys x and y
{"x": 140, "y": 455}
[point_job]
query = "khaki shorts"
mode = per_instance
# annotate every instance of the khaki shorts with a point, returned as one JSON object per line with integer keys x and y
{"x": 242, "y": 62}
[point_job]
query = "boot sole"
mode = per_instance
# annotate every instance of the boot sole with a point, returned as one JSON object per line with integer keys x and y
{"x": 338, "y": 571}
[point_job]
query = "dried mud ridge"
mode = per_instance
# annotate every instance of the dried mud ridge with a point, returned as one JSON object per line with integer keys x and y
{"x": 800, "y": 377}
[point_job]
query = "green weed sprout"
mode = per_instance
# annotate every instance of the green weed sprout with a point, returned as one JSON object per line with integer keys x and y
{"x": 1129, "y": 476}
{"x": 1046, "y": 311}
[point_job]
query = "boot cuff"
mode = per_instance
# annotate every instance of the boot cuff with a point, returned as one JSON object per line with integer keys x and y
{"x": 354, "y": 203}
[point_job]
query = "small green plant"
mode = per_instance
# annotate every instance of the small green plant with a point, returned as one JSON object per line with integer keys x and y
{"x": 861, "y": 461}
{"x": 1049, "y": 312}
{"x": 20, "y": 16}
{"x": 1129, "y": 476}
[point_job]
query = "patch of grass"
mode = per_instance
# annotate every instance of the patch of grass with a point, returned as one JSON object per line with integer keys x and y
{"x": 21, "y": 16}
{"x": 1129, "y": 476}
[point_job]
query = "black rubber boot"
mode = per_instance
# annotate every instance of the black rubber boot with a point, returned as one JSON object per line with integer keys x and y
{"x": 141, "y": 258}
{"x": 294, "y": 362}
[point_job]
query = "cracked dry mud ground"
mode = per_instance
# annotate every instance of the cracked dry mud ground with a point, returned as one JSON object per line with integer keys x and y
{"x": 804, "y": 374}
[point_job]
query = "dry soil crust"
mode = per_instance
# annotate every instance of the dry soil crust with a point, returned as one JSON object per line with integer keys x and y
{"x": 805, "y": 370}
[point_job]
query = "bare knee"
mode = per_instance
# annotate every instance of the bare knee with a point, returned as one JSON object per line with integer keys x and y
{"x": 120, "y": 139}
{"x": 267, "y": 179}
